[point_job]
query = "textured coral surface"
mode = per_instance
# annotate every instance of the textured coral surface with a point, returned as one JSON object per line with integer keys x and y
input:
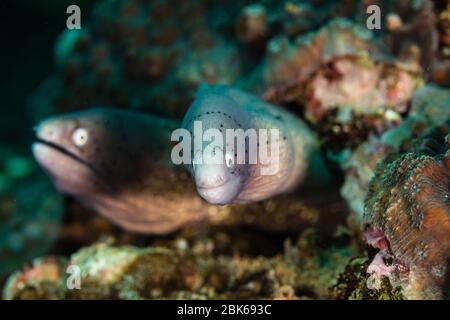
{"x": 408, "y": 200}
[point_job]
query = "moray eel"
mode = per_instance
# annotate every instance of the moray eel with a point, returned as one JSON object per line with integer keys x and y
{"x": 118, "y": 163}
{"x": 230, "y": 180}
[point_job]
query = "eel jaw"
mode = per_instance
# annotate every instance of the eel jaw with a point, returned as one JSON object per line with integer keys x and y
{"x": 69, "y": 173}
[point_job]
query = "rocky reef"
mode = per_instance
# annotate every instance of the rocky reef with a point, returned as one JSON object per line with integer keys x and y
{"x": 188, "y": 268}
{"x": 407, "y": 216}
{"x": 377, "y": 100}
{"x": 429, "y": 108}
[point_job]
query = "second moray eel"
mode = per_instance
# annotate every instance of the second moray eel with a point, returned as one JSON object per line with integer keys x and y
{"x": 291, "y": 153}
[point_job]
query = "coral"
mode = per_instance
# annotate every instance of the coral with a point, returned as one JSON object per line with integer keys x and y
{"x": 187, "y": 268}
{"x": 407, "y": 215}
{"x": 351, "y": 284}
{"x": 364, "y": 86}
{"x": 289, "y": 63}
{"x": 347, "y": 86}
{"x": 132, "y": 54}
{"x": 348, "y": 99}
{"x": 391, "y": 199}
{"x": 121, "y": 58}
{"x": 42, "y": 279}
{"x": 429, "y": 107}
{"x": 409, "y": 30}
{"x": 359, "y": 90}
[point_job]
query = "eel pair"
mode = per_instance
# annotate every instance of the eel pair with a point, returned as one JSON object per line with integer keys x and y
{"x": 120, "y": 163}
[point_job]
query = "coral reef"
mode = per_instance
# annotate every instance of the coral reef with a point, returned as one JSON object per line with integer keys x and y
{"x": 123, "y": 58}
{"x": 347, "y": 86}
{"x": 42, "y": 279}
{"x": 407, "y": 215}
{"x": 188, "y": 268}
{"x": 289, "y": 63}
{"x": 429, "y": 107}
{"x": 370, "y": 96}
{"x": 351, "y": 284}
{"x": 132, "y": 53}
{"x": 410, "y": 34}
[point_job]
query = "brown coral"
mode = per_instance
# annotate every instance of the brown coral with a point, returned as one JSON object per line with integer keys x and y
{"x": 408, "y": 215}
{"x": 290, "y": 63}
{"x": 342, "y": 80}
{"x": 40, "y": 280}
{"x": 429, "y": 108}
{"x": 363, "y": 85}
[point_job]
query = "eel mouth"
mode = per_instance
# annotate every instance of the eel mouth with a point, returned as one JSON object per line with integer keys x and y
{"x": 219, "y": 194}
{"x": 68, "y": 154}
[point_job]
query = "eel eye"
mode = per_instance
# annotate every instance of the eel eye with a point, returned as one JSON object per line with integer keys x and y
{"x": 229, "y": 161}
{"x": 80, "y": 137}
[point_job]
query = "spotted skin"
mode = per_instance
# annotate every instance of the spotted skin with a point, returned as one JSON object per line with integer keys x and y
{"x": 123, "y": 171}
{"x": 221, "y": 107}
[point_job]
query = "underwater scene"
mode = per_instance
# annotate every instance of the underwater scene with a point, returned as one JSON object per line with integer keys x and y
{"x": 225, "y": 149}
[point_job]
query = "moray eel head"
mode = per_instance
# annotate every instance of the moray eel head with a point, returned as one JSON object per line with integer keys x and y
{"x": 217, "y": 183}
{"x": 68, "y": 148}
{"x": 218, "y": 175}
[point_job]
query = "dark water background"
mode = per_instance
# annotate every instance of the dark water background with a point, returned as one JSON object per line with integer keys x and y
{"x": 28, "y": 29}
